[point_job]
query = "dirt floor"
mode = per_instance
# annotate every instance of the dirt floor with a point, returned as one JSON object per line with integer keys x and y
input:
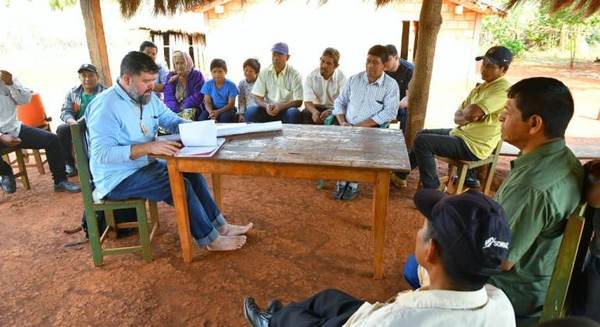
{"x": 304, "y": 241}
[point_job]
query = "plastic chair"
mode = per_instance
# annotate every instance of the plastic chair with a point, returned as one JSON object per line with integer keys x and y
{"x": 147, "y": 227}
{"x": 33, "y": 114}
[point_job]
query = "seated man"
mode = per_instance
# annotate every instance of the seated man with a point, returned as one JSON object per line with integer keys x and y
{"x": 463, "y": 240}
{"x": 592, "y": 269}
{"x": 74, "y": 107}
{"x": 277, "y": 91}
{"x": 151, "y": 50}
{"x": 14, "y": 133}
{"x": 122, "y": 123}
{"x": 369, "y": 99}
{"x": 478, "y": 130}
{"x": 322, "y": 87}
{"x": 541, "y": 191}
{"x": 402, "y": 71}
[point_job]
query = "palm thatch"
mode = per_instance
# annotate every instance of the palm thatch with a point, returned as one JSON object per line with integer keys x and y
{"x": 585, "y": 7}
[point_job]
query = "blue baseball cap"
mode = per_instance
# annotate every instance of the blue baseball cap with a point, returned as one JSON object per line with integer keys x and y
{"x": 281, "y": 47}
{"x": 471, "y": 228}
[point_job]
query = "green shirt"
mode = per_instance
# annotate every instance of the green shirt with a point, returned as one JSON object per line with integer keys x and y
{"x": 541, "y": 191}
{"x": 85, "y": 100}
{"x": 483, "y": 136}
{"x": 278, "y": 88}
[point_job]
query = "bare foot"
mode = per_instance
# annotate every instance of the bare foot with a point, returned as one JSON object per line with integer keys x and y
{"x": 235, "y": 230}
{"x": 227, "y": 243}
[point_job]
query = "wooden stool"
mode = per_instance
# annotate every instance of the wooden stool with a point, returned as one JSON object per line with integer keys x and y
{"x": 147, "y": 225}
{"x": 20, "y": 161}
{"x": 465, "y": 165}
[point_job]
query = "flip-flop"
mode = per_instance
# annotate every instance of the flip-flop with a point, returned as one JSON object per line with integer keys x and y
{"x": 74, "y": 244}
{"x": 72, "y": 230}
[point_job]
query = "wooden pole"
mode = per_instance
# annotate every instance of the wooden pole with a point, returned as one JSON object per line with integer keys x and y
{"x": 94, "y": 33}
{"x": 430, "y": 21}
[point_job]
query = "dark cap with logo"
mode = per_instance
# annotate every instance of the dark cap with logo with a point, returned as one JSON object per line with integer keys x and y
{"x": 88, "y": 68}
{"x": 471, "y": 228}
{"x": 497, "y": 55}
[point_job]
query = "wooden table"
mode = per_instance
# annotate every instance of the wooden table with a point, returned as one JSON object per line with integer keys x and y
{"x": 306, "y": 152}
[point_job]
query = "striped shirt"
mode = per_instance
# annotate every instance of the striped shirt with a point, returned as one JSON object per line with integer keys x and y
{"x": 360, "y": 100}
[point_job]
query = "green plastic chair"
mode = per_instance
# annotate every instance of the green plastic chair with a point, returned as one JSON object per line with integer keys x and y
{"x": 147, "y": 228}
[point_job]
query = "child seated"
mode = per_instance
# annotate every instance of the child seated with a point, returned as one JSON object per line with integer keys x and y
{"x": 246, "y": 99}
{"x": 219, "y": 95}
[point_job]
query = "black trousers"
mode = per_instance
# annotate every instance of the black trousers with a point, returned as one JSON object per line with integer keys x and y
{"x": 329, "y": 308}
{"x": 36, "y": 138}
{"x": 431, "y": 142}
{"x": 66, "y": 143}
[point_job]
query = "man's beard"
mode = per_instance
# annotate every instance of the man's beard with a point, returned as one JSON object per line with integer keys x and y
{"x": 141, "y": 99}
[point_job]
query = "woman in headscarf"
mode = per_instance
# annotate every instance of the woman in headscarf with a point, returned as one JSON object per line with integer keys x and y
{"x": 182, "y": 91}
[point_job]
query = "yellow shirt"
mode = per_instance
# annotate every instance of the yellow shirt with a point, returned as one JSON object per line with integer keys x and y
{"x": 482, "y": 136}
{"x": 278, "y": 88}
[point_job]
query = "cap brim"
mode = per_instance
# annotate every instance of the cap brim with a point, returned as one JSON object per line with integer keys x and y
{"x": 426, "y": 199}
{"x": 487, "y": 58}
{"x": 87, "y": 70}
{"x": 279, "y": 51}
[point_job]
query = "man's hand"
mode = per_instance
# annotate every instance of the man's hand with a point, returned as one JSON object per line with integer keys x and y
{"x": 214, "y": 114}
{"x": 272, "y": 109}
{"x": 345, "y": 123}
{"x": 9, "y": 140}
{"x": 71, "y": 121}
{"x": 6, "y": 77}
{"x": 316, "y": 117}
{"x": 164, "y": 148}
{"x": 324, "y": 114}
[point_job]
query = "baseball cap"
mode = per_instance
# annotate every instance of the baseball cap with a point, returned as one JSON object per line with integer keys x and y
{"x": 87, "y": 67}
{"x": 281, "y": 47}
{"x": 471, "y": 228}
{"x": 497, "y": 55}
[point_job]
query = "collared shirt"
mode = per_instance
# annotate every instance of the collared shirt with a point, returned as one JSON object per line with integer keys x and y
{"x": 72, "y": 108}
{"x": 278, "y": 88}
{"x": 113, "y": 122}
{"x": 10, "y": 97}
{"x": 483, "y": 136}
{"x": 245, "y": 97}
{"x": 403, "y": 75}
{"x": 323, "y": 92}
{"x": 541, "y": 191}
{"x": 360, "y": 100}
{"x": 487, "y": 307}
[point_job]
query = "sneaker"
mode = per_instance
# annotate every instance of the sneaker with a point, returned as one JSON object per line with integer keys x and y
{"x": 340, "y": 187}
{"x": 8, "y": 183}
{"x": 470, "y": 182}
{"x": 350, "y": 192}
{"x": 66, "y": 186}
{"x": 398, "y": 181}
{"x": 70, "y": 170}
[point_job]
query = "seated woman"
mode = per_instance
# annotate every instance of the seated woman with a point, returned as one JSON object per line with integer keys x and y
{"x": 182, "y": 91}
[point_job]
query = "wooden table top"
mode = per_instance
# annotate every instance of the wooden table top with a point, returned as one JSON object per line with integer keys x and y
{"x": 374, "y": 148}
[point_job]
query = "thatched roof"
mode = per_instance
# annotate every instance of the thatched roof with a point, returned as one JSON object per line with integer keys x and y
{"x": 169, "y": 7}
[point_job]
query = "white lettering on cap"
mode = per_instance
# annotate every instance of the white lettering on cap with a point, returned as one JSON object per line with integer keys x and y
{"x": 493, "y": 242}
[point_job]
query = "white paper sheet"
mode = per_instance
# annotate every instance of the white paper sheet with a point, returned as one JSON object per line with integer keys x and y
{"x": 201, "y": 151}
{"x": 243, "y": 128}
{"x": 198, "y": 133}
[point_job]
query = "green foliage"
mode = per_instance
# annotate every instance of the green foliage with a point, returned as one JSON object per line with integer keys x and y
{"x": 61, "y": 4}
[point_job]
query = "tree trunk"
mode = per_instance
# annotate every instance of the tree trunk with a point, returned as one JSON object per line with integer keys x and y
{"x": 430, "y": 21}
{"x": 94, "y": 33}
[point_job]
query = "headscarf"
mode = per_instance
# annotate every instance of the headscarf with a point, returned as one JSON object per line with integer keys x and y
{"x": 189, "y": 64}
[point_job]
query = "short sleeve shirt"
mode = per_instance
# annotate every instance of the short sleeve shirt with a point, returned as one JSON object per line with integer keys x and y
{"x": 279, "y": 88}
{"x": 323, "y": 92}
{"x": 541, "y": 191}
{"x": 483, "y": 136}
{"x": 219, "y": 96}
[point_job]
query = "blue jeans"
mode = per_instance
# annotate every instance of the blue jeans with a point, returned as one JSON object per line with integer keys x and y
{"x": 152, "y": 183}
{"x": 256, "y": 114}
{"x": 226, "y": 117}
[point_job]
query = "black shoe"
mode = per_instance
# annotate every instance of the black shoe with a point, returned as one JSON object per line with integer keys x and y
{"x": 9, "y": 184}
{"x": 70, "y": 170}
{"x": 470, "y": 182}
{"x": 350, "y": 192}
{"x": 273, "y": 306}
{"x": 340, "y": 187}
{"x": 255, "y": 317}
{"x": 66, "y": 186}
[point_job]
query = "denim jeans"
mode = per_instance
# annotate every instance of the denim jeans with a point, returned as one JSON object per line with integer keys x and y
{"x": 37, "y": 138}
{"x": 431, "y": 142}
{"x": 152, "y": 183}
{"x": 226, "y": 117}
{"x": 256, "y": 114}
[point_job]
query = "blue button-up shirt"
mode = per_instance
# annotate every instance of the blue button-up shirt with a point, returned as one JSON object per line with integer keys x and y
{"x": 360, "y": 100}
{"x": 113, "y": 122}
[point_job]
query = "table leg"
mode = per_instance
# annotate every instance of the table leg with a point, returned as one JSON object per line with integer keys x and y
{"x": 181, "y": 209}
{"x": 216, "y": 184}
{"x": 381, "y": 191}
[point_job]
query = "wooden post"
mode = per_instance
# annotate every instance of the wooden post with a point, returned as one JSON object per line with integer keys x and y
{"x": 430, "y": 21}
{"x": 94, "y": 33}
{"x": 598, "y": 117}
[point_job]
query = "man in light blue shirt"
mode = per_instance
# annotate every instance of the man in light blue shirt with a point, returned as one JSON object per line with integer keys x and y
{"x": 122, "y": 126}
{"x": 369, "y": 99}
